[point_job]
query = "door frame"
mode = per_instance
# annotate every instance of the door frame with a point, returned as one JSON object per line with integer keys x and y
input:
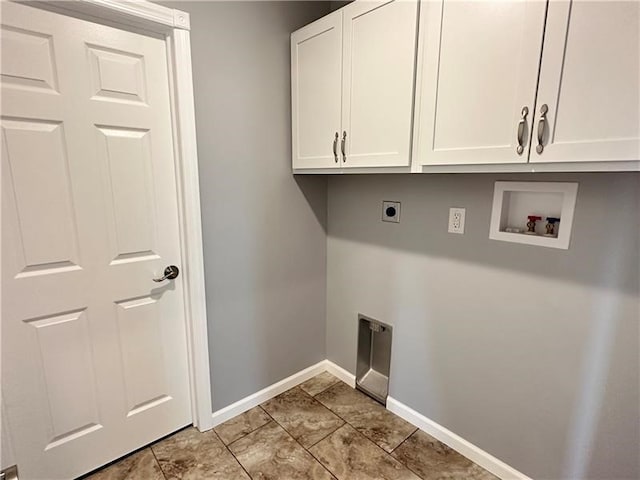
{"x": 147, "y": 18}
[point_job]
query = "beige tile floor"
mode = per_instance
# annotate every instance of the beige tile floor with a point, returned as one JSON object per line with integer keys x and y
{"x": 321, "y": 429}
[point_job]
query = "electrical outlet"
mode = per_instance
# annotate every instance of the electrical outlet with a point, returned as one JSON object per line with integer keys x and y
{"x": 391, "y": 212}
{"x": 456, "y": 220}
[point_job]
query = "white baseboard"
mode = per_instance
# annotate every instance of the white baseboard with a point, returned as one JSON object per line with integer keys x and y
{"x": 459, "y": 444}
{"x": 341, "y": 373}
{"x": 247, "y": 403}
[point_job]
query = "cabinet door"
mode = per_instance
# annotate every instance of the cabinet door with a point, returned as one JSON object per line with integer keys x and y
{"x": 316, "y": 72}
{"x": 377, "y": 87}
{"x": 589, "y": 80}
{"x": 478, "y": 67}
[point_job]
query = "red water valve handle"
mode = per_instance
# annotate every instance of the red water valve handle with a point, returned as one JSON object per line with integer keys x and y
{"x": 534, "y": 218}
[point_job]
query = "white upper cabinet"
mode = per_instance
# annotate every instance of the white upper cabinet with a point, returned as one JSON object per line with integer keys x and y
{"x": 589, "y": 82}
{"x": 508, "y": 85}
{"x": 478, "y": 66}
{"x": 484, "y": 67}
{"x": 352, "y": 74}
{"x": 316, "y": 76}
{"x": 379, "y": 44}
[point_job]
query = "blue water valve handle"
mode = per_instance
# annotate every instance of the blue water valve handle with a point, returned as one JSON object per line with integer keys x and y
{"x": 552, "y": 220}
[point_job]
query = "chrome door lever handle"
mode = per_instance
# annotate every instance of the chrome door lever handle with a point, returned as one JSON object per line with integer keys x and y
{"x": 170, "y": 273}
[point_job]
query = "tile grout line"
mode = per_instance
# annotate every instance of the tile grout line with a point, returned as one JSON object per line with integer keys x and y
{"x": 400, "y": 461}
{"x": 164, "y": 475}
{"x": 346, "y": 422}
{"x": 335, "y": 476}
{"x": 313, "y": 397}
{"x": 252, "y": 431}
{"x": 244, "y": 434}
{"x": 411, "y": 470}
{"x": 372, "y": 441}
{"x": 302, "y": 446}
{"x": 327, "y": 435}
{"x": 231, "y": 453}
{"x": 356, "y": 430}
{"x": 403, "y": 441}
{"x": 319, "y": 403}
{"x": 323, "y": 390}
{"x": 367, "y": 439}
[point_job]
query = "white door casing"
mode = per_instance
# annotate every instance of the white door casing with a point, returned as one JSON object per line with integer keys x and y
{"x": 95, "y": 361}
{"x": 590, "y": 82}
{"x": 477, "y": 69}
{"x": 316, "y": 73}
{"x": 379, "y": 43}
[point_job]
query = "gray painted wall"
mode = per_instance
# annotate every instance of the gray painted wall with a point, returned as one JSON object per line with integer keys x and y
{"x": 530, "y": 353}
{"x": 264, "y": 230}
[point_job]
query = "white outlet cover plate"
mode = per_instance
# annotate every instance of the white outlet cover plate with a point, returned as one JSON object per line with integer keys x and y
{"x": 390, "y": 218}
{"x": 456, "y": 220}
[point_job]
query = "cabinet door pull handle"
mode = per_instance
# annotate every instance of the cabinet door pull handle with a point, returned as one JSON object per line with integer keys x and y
{"x": 521, "y": 124}
{"x": 541, "y": 125}
{"x": 335, "y": 148}
{"x": 342, "y": 146}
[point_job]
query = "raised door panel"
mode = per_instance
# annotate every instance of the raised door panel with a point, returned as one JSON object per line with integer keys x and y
{"x": 40, "y": 199}
{"x": 29, "y": 70}
{"x": 29, "y": 63}
{"x": 141, "y": 347}
{"x": 316, "y": 72}
{"x": 590, "y": 82}
{"x": 62, "y": 348}
{"x": 117, "y": 75}
{"x": 478, "y": 66}
{"x": 377, "y": 94}
{"x": 130, "y": 195}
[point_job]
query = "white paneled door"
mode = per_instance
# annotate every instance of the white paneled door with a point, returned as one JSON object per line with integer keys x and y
{"x": 94, "y": 360}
